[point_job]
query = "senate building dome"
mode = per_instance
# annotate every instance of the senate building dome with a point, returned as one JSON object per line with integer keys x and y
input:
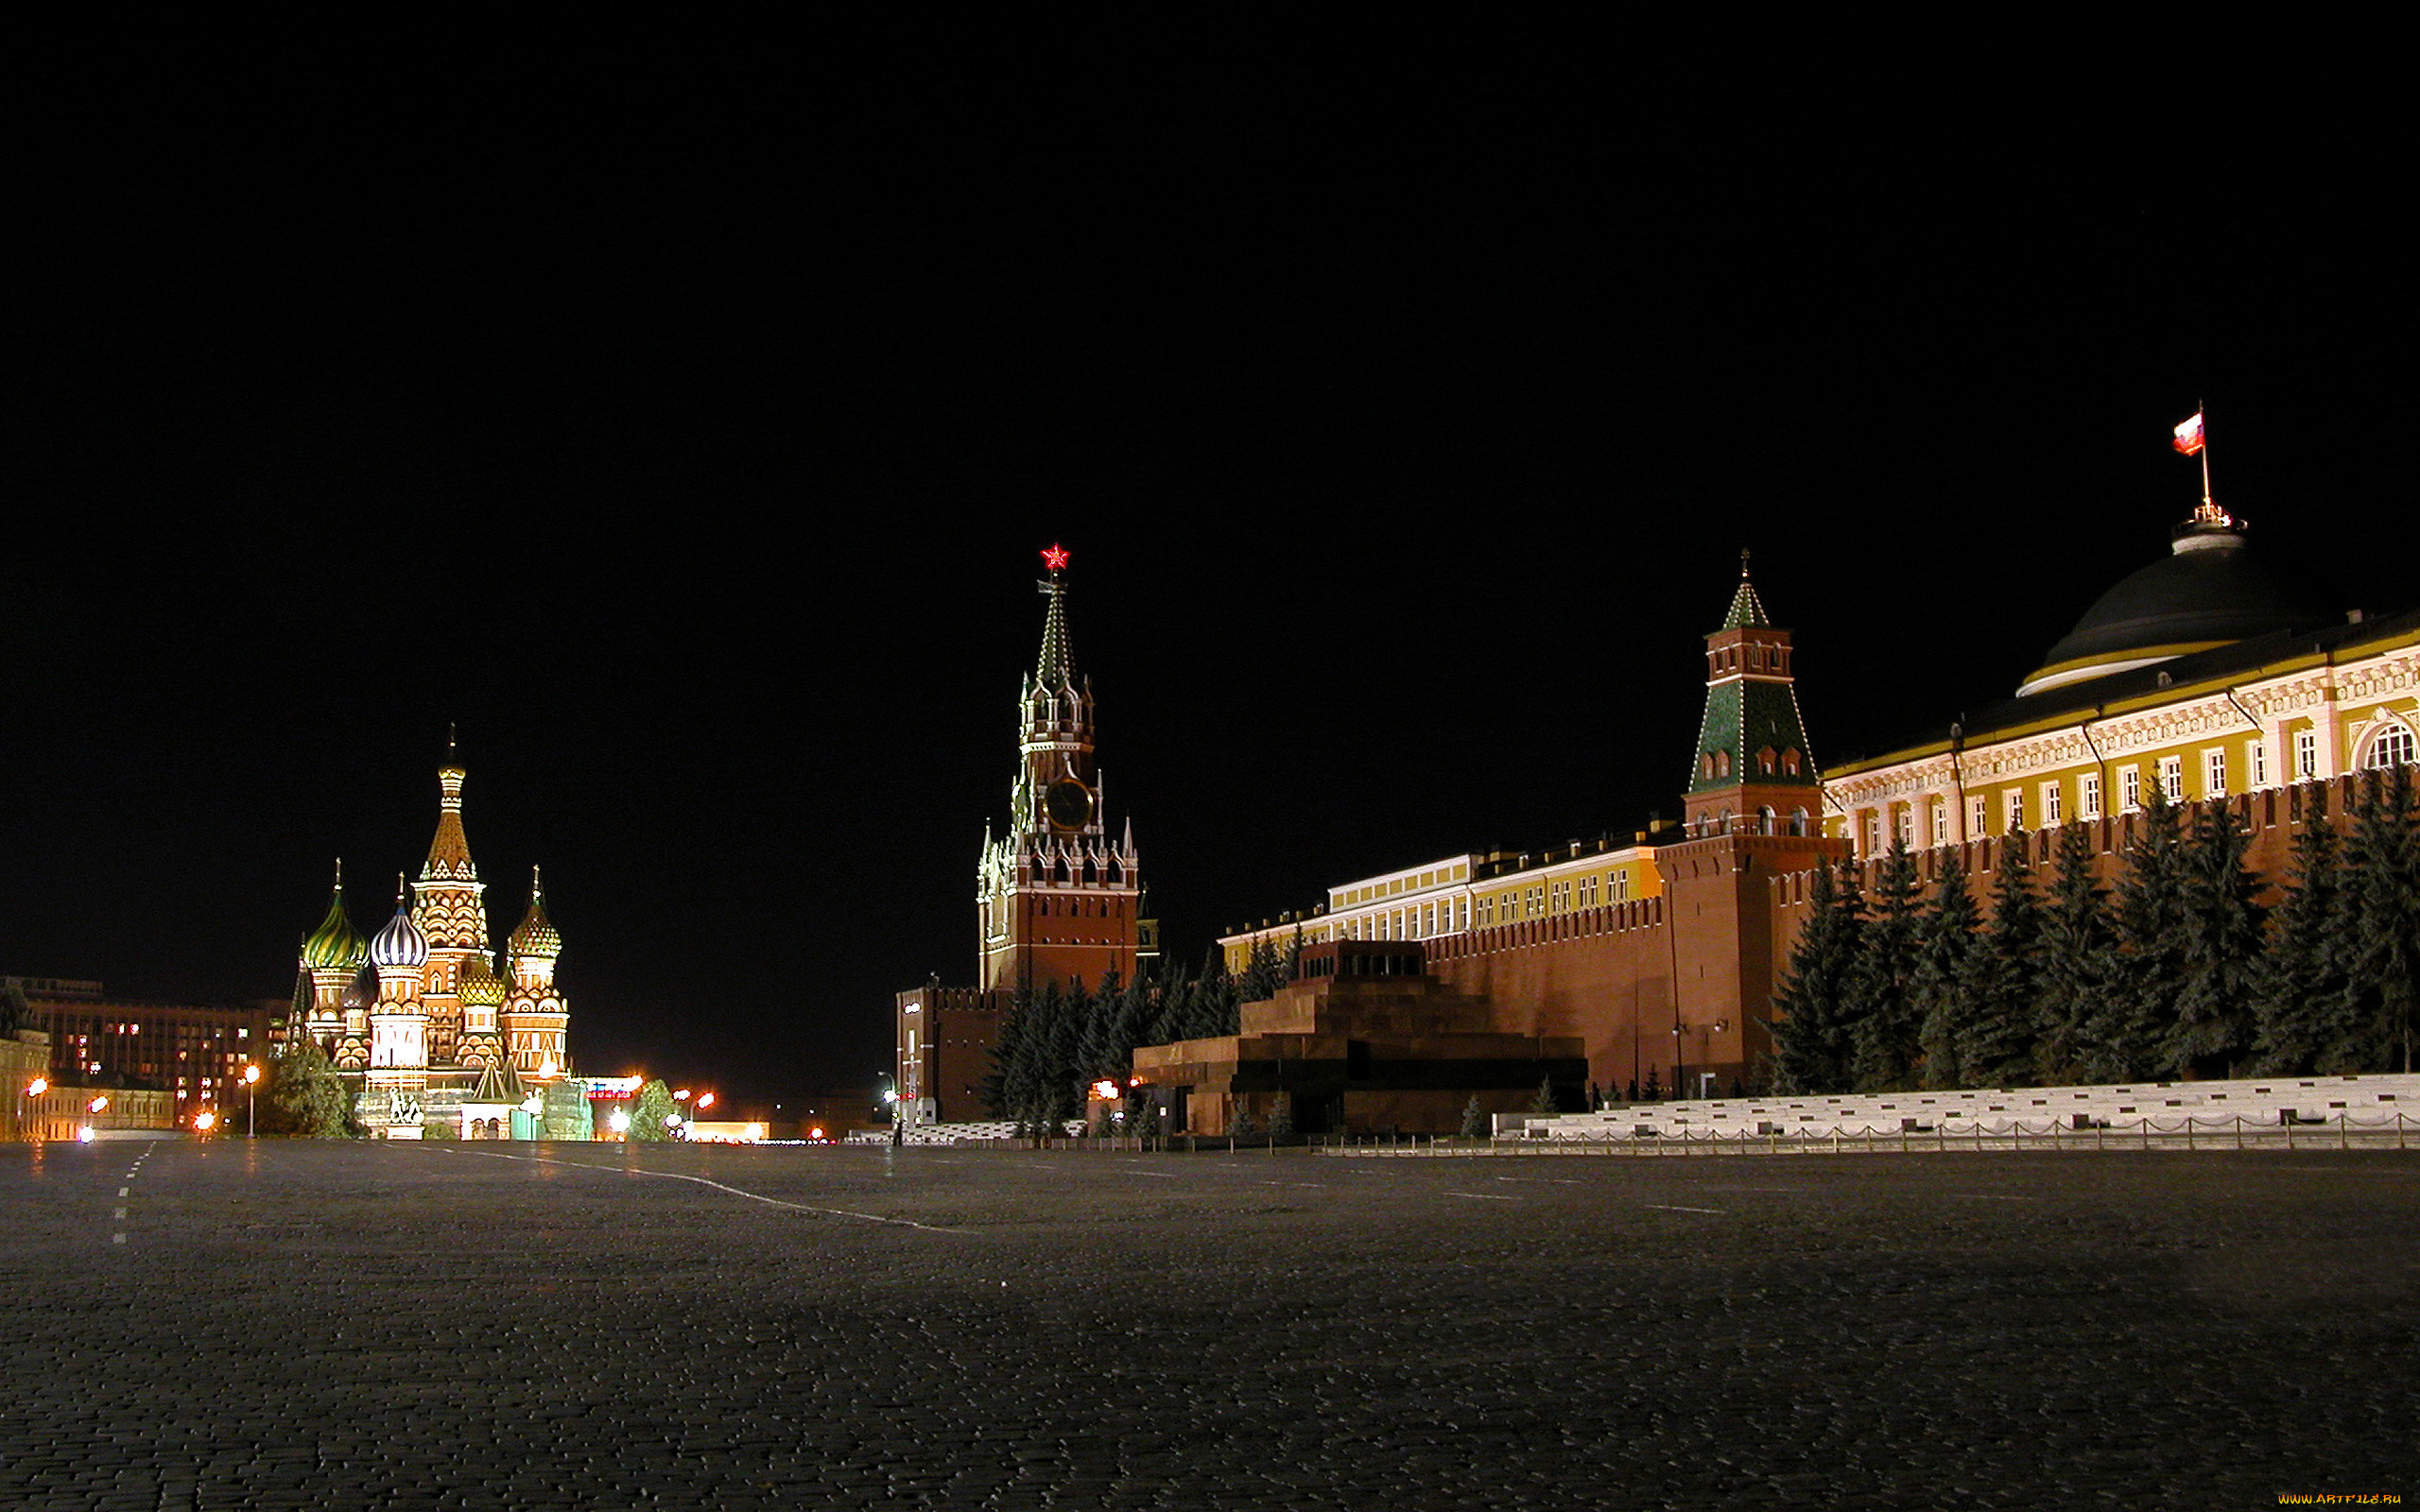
{"x": 2210, "y": 590}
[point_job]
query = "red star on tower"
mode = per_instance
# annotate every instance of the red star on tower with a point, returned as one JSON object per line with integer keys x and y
{"x": 1055, "y": 557}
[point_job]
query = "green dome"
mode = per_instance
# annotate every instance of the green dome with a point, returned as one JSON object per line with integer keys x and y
{"x": 335, "y": 944}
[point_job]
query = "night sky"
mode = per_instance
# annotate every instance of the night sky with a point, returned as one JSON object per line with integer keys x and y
{"x": 685, "y": 431}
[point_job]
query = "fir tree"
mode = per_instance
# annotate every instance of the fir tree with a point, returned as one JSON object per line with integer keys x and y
{"x": 2221, "y": 950}
{"x": 302, "y": 1096}
{"x": 1811, "y": 1031}
{"x": 1544, "y": 1103}
{"x": 1474, "y": 1119}
{"x": 1002, "y": 1084}
{"x": 1100, "y": 1053}
{"x": 2129, "y": 1039}
{"x": 651, "y": 1115}
{"x": 1884, "y": 1030}
{"x": 2077, "y": 961}
{"x": 1265, "y": 972}
{"x": 1939, "y": 987}
{"x": 1281, "y": 1116}
{"x": 1995, "y": 1044}
{"x": 2372, "y": 1026}
{"x": 2301, "y": 972}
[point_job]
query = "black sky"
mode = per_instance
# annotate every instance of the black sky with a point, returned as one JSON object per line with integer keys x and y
{"x": 683, "y": 428}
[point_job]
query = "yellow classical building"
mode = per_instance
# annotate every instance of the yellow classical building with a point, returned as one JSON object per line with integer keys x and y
{"x": 2196, "y": 672}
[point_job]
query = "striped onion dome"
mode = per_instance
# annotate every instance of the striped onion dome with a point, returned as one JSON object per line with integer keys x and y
{"x": 336, "y": 945}
{"x": 361, "y": 993}
{"x": 534, "y": 937}
{"x": 401, "y": 943}
{"x": 480, "y": 987}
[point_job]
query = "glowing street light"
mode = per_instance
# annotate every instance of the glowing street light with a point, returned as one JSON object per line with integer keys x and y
{"x": 251, "y": 1080}
{"x": 38, "y": 1086}
{"x": 620, "y": 1123}
{"x": 205, "y": 1122}
{"x": 84, "y": 1135}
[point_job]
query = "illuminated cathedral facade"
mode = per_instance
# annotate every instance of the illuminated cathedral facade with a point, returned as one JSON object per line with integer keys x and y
{"x": 416, "y": 1016}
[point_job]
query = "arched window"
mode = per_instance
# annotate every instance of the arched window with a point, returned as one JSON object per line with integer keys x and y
{"x": 1765, "y": 762}
{"x": 1723, "y": 763}
{"x": 1798, "y": 821}
{"x": 1765, "y": 820}
{"x": 2392, "y": 747}
{"x": 1790, "y": 762}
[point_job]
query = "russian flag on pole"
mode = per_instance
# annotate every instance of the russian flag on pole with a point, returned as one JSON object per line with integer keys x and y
{"x": 2188, "y": 435}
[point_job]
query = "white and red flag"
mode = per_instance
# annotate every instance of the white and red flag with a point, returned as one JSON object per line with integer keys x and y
{"x": 2188, "y": 435}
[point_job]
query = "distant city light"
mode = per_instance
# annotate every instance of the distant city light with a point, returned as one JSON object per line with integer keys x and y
{"x": 1105, "y": 1089}
{"x": 98, "y": 1105}
{"x": 204, "y": 1121}
{"x": 84, "y": 1135}
{"x": 38, "y": 1086}
{"x": 755, "y": 1131}
{"x": 620, "y": 1123}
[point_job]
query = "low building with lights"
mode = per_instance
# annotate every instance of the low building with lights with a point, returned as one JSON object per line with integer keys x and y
{"x": 194, "y": 1053}
{"x": 416, "y": 1017}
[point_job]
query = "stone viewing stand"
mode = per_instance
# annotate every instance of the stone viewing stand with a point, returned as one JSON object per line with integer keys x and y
{"x": 2284, "y": 1112}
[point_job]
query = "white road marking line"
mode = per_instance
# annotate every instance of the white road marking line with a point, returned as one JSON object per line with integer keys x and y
{"x": 121, "y": 1192}
{"x": 117, "y": 1239}
{"x": 770, "y": 1202}
{"x": 1675, "y": 1206}
{"x": 1991, "y": 1196}
{"x": 1485, "y": 1197}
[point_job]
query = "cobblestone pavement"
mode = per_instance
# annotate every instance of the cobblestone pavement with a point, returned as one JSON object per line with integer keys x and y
{"x": 544, "y": 1326}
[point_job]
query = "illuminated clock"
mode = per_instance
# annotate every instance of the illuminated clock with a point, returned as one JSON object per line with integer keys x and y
{"x": 1069, "y": 805}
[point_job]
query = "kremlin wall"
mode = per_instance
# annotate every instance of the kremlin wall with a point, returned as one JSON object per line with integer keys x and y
{"x": 1616, "y": 966}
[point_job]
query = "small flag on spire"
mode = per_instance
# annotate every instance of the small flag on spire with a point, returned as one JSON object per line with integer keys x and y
{"x": 2188, "y": 435}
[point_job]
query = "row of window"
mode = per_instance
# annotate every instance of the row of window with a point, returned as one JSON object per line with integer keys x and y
{"x": 1769, "y": 763}
{"x": 2394, "y": 745}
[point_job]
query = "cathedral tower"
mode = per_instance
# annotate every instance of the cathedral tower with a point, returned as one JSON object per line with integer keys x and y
{"x": 451, "y": 914}
{"x": 534, "y": 1013}
{"x": 1753, "y": 773}
{"x": 398, "y": 1023}
{"x": 332, "y": 955}
{"x": 1057, "y": 900}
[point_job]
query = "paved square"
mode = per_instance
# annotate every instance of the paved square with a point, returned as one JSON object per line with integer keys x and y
{"x": 533, "y": 1326}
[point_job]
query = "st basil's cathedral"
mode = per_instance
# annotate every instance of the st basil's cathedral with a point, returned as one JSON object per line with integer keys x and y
{"x": 416, "y": 1017}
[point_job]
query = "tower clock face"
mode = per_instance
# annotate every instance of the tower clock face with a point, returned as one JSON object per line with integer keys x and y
{"x": 1069, "y": 805}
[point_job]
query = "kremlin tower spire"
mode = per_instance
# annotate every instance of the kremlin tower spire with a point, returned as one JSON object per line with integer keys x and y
{"x": 1753, "y": 773}
{"x": 1055, "y": 897}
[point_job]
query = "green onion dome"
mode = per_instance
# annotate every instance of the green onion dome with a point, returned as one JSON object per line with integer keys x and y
{"x": 401, "y": 943}
{"x": 534, "y": 937}
{"x": 480, "y": 987}
{"x": 336, "y": 945}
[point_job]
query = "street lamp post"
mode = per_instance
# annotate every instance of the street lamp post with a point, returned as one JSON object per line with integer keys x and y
{"x": 252, "y": 1082}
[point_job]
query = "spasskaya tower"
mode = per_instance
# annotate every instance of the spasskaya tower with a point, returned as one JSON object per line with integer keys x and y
{"x": 1057, "y": 900}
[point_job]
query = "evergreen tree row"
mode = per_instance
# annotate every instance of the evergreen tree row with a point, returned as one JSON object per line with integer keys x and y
{"x": 1055, "y": 1041}
{"x": 2177, "y": 968}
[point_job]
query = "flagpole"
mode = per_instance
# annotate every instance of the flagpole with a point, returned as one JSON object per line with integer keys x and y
{"x": 2204, "y": 410}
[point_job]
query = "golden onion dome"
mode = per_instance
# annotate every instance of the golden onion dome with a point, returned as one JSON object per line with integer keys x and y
{"x": 534, "y": 937}
{"x": 480, "y": 987}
